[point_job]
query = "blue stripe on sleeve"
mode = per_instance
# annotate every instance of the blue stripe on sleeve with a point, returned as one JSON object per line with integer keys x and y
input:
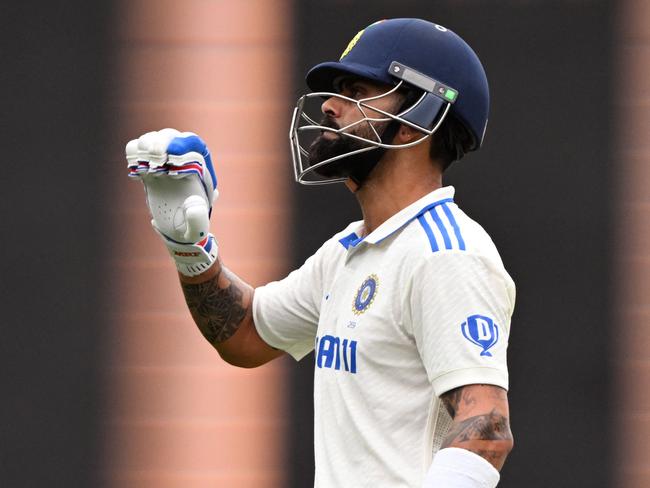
{"x": 429, "y": 232}
{"x": 441, "y": 226}
{"x": 454, "y": 224}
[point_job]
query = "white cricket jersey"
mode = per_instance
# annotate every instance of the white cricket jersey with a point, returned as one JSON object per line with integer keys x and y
{"x": 416, "y": 308}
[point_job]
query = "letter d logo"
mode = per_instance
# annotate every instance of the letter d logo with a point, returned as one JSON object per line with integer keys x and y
{"x": 481, "y": 331}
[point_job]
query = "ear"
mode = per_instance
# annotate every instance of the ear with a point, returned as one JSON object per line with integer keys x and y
{"x": 406, "y": 134}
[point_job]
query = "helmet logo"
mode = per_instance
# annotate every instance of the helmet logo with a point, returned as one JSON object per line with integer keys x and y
{"x": 355, "y": 39}
{"x": 352, "y": 43}
{"x": 441, "y": 28}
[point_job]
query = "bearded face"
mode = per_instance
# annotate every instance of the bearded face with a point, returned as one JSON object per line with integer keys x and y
{"x": 322, "y": 148}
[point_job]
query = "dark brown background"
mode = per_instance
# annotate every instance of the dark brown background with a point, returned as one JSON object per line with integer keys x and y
{"x": 541, "y": 186}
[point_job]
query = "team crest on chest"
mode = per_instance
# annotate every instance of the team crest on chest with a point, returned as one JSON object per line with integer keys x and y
{"x": 365, "y": 294}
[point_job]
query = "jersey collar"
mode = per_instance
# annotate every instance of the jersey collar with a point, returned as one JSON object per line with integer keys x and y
{"x": 400, "y": 219}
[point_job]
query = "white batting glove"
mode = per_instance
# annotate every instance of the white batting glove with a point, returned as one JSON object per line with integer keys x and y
{"x": 181, "y": 186}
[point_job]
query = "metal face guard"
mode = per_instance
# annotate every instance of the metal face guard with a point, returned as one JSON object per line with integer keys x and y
{"x": 426, "y": 115}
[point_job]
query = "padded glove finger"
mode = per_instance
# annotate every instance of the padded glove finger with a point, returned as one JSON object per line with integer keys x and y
{"x": 197, "y": 220}
{"x": 166, "y": 200}
{"x": 188, "y": 154}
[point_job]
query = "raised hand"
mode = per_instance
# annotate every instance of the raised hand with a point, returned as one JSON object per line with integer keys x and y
{"x": 181, "y": 186}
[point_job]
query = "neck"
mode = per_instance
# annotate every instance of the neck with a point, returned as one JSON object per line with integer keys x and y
{"x": 401, "y": 178}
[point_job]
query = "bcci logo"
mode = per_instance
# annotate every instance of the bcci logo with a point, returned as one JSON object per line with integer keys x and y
{"x": 365, "y": 295}
{"x": 482, "y": 331}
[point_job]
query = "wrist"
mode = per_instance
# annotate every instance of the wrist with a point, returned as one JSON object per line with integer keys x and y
{"x": 453, "y": 467}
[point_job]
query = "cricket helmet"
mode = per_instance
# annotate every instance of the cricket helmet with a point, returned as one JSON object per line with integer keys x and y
{"x": 408, "y": 54}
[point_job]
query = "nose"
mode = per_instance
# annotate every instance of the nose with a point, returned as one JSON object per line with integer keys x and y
{"x": 331, "y": 107}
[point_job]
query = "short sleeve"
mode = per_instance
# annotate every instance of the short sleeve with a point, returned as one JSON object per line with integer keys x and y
{"x": 286, "y": 312}
{"x": 460, "y": 307}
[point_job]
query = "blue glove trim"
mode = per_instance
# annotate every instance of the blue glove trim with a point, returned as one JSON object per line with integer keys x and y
{"x": 181, "y": 145}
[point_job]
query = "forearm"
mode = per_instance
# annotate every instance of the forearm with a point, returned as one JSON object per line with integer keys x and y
{"x": 487, "y": 435}
{"x": 481, "y": 422}
{"x": 478, "y": 442}
{"x": 220, "y": 304}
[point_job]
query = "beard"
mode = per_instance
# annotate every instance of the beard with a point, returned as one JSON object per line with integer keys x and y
{"x": 322, "y": 149}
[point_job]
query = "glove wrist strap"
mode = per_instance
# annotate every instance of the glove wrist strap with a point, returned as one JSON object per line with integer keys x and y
{"x": 193, "y": 259}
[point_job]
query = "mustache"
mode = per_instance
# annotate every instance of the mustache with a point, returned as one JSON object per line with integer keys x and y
{"x": 329, "y": 122}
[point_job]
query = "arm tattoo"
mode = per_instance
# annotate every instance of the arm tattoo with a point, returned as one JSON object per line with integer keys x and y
{"x": 453, "y": 399}
{"x": 493, "y": 456}
{"x": 492, "y": 426}
{"x": 217, "y": 311}
{"x": 474, "y": 431}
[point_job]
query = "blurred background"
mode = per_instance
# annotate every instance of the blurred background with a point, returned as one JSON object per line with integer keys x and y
{"x": 105, "y": 380}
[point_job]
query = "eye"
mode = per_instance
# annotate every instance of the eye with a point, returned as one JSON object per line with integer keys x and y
{"x": 356, "y": 92}
{"x": 351, "y": 89}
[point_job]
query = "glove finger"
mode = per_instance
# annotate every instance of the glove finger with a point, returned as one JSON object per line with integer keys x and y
{"x": 151, "y": 155}
{"x": 158, "y": 147}
{"x": 157, "y": 172}
{"x": 131, "y": 152}
{"x": 188, "y": 149}
{"x": 185, "y": 170}
{"x": 141, "y": 156}
{"x": 197, "y": 219}
{"x": 166, "y": 198}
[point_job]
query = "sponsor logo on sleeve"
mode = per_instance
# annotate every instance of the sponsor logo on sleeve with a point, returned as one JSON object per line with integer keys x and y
{"x": 481, "y": 331}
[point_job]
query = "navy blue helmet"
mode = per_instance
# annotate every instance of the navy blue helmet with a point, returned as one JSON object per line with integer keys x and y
{"x": 410, "y": 54}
